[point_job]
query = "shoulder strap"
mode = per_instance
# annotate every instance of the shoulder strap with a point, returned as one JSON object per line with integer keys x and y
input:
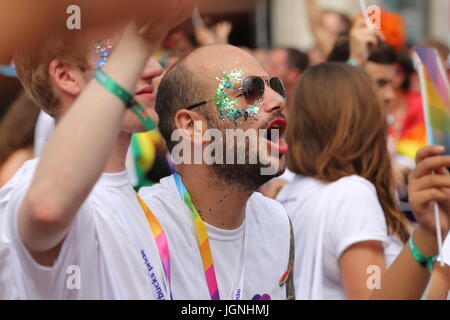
{"x": 290, "y": 289}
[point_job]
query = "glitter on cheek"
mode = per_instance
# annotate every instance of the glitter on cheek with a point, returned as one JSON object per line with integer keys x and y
{"x": 227, "y": 107}
{"x": 103, "y": 49}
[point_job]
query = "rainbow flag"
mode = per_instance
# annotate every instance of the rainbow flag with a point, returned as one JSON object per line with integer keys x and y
{"x": 435, "y": 96}
{"x": 413, "y": 135}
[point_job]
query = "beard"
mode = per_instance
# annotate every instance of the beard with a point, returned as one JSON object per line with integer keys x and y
{"x": 248, "y": 176}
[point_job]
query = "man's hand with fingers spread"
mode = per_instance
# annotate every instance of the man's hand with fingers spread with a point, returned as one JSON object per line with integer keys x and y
{"x": 430, "y": 183}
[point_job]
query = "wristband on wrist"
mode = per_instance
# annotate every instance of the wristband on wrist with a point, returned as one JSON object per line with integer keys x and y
{"x": 127, "y": 98}
{"x": 426, "y": 262}
{"x": 353, "y": 63}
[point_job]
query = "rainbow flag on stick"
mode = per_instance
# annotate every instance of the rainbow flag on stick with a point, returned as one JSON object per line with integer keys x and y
{"x": 436, "y": 103}
{"x": 435, "y": 96}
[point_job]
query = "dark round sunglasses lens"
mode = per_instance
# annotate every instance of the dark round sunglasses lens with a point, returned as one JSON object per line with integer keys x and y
{"x": 277, "y": 85}
{"x": 253, "y": 89}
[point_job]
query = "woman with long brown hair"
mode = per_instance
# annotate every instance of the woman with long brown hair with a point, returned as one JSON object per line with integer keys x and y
{"x": 17, "y": 136}
{"x": 348, "y": 227}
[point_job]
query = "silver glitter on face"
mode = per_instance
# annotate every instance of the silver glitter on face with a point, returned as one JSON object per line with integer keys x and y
{"x": 103, "y": 49}
{"x": 227, "y": 105}
{"x": 236, "y": 77}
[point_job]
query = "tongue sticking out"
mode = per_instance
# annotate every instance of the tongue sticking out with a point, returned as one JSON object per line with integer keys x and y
{"x": 275, "y": 130}
{"x": 281, "y": 147}
{"x": 275, "y": 142}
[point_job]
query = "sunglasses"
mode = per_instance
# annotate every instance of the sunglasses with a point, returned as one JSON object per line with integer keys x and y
{"x": 253, "y": 89}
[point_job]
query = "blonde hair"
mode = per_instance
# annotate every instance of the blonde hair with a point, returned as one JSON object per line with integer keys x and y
{"x": 337, "y": 128}
{"x": 33, "y": 60}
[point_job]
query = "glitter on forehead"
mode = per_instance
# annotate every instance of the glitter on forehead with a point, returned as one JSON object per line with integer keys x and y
{"x": 228, "y": 107}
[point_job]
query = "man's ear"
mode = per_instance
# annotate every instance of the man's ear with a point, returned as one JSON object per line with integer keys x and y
{"x": 192, "y": 124}
{"x": 66, "y": 78}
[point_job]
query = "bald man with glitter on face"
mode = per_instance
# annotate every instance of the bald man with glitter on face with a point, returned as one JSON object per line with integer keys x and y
{"x": 227, "y": 241}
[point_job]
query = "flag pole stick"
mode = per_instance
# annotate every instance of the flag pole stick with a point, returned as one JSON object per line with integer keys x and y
{"x": 437, "y": 219}
{"x": 363, "y": 5}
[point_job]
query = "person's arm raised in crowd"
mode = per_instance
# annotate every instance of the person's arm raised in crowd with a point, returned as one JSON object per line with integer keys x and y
{"x": 361, "y": 40}
{"x": 77, "y": 152}
{"x": 21, "y": 20}
{"x": 81, "y": 144}
{"x": 217, "y": 34}
{"x": 324, "y": 41}
{"x": 428, "y": 183}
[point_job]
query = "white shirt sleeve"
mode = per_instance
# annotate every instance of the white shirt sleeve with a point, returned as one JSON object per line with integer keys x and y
{"x": 287, "y": 176}
{"x": 355, "y": 215}
{"x": 446, "y": 252}
{"x": 40, "y": 281}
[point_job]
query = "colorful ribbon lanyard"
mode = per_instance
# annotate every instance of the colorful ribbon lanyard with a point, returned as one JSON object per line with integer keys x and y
{"x": 205, "y": 248}
{"x": 160, "y": 238}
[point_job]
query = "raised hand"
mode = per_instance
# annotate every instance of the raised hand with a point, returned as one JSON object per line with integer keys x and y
{"x": 217, "y": 34}
{"x": 161, "y": 16}
{"x": 223, "y": 30}
{"x": 361, "y": 39}
{"x": 430, "y": 182}
{"x": 205, "y": 36}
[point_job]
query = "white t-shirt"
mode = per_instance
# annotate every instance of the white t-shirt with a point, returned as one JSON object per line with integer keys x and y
{"x": 327, "y": 220}
{"x": 45, "y": 126}
{"x": 100, "y": 258}
{"x": 287, "y": 176}
{"x": 446, "y": 252}
{"x": 446, "y": 256}
{"x": 263, "y": 256}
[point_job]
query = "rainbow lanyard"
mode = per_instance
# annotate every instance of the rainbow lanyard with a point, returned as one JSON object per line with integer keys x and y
{"x": 160, "y": 237}
{"x": 205, "y": 248}
{"x": 202, "y": 239}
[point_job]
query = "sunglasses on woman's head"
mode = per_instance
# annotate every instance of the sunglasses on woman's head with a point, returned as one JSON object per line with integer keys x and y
{"x": 253, "y": 89}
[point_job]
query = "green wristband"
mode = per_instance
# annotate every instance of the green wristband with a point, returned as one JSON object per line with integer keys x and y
{"x": 128, "y": 99}
{"x": 425, "y": 261}
{"x": 114, "y": 87}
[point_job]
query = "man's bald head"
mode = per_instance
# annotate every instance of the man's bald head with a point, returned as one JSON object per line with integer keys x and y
{"x": 209, "y": 60}
{"x": 194, "y": 79}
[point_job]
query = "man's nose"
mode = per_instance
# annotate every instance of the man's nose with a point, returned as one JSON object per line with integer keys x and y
{"x": 273, "y": 101}
{"x": 389, "y": 93}
{"x": 152, "y": 69}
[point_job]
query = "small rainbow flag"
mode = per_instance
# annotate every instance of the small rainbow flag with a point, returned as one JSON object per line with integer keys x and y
{"x": 413, "y": 135}
{"x": 435, "y": 96}
{"x": 436, "y": 104}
